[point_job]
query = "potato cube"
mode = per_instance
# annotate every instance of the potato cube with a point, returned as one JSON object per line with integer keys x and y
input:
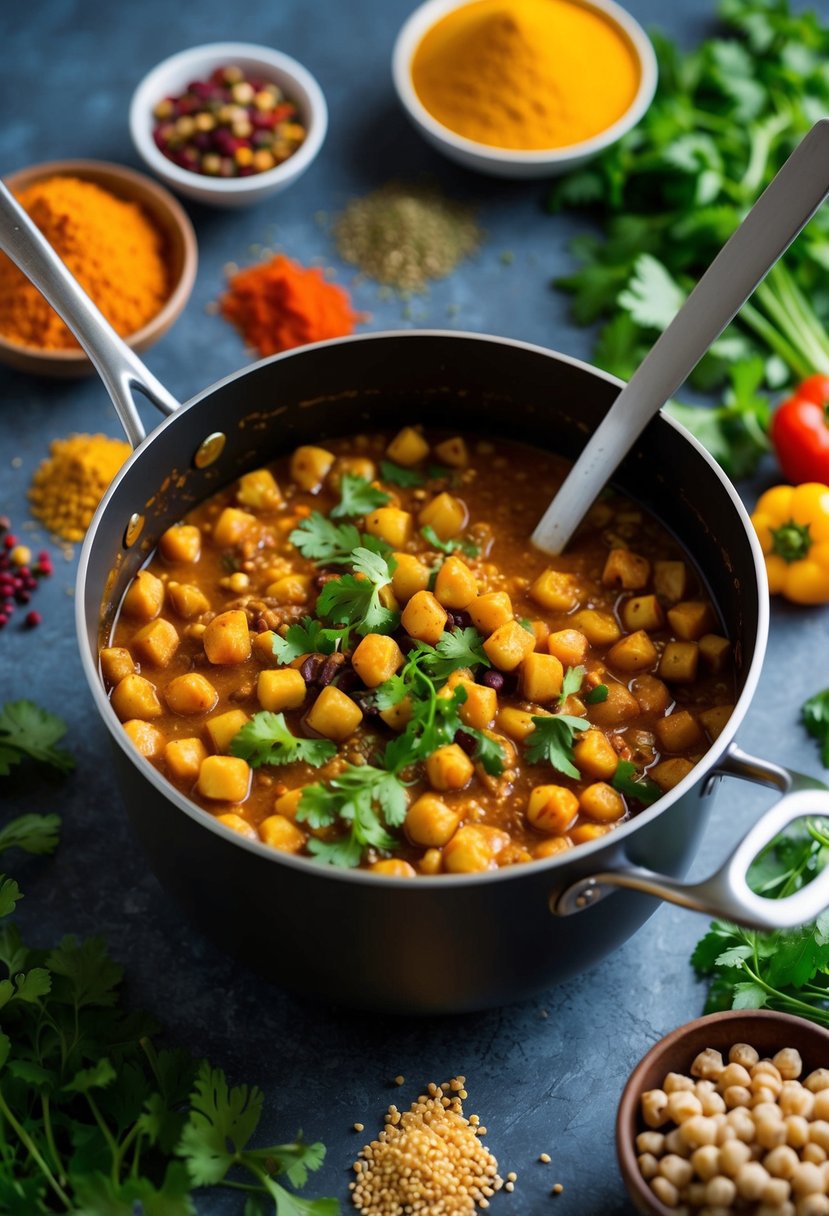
{"x": 714, "y": 720}
{"x": 540, "y": 677}
{"x": 653, "y": 696}
{"x": 424, "y": 618}
{"x": 584, "y": 833}
{"x": 183, "y": 758}
{"x": 555, "y": 590}
{"x": 395, "y": 867}
{"x": 552, "y": 846}
{"x": 552, "y": 808}
{"x": 569, "y": 646}
{"x": 627, "y": 570}
{"x": 620, "y": 706}
{"x": 283, "y": 688}
{"x": 410, "y": 576}
{"x": 679, "y": 732}
{"x": 224, "y": 779}
{"x": 135, "y": 697}
{"x": 187, "y": 601}
{"x": 290, "y": 589}
{"x": 262, "y": 646}
{"x": 600, "y": 801}
{"x": 488, "y": 612}
{"x": 541, "y": 633}
{"x": 334, "y": 715}
{"x": 144, "y": 597}
{"x": 357, "y": 466}
{"x": 392, "y": 525}
{"x": 237, "y": 824}
{"x": 455, "y": 585}
{"x": 595, "y": 755}
{"x": 670, "y": 580}
{"x": 190, "y": 694}
{"x": 679, "y": 662}
{"x": 181, "y": 543}
{"x": 446, "y": 514}
{"x": 281, "y": 833}
{"x": 690, "y": 619}
{"x": 599, "y": 628}
{"x": 376, "y": 659}
{"x": 449, "y": 768}
{"x": 259, "y": 490}
{"x": 453, "y": 452}
{"x": 398, "y": 716}
{"x": 408, "y": 447}
{"x": 225, "y": 727}
{"x": 515, "y": 723}
{"x": 156, "y": 643}
{"x": 310, "y": 466}
{"x": 430, "y": 822}
{"x": 714, "y": 652}
{"x": 633, "y": 652}
{"x": 145, "y": 738}
{"x": 509, "y": 645}
{"x": 669, "y": 773}
{"x": 480, "y": 707}
{"x": 232, "y": 527}
{"x": 227, "y": 638}
{"x": 469, "y": 851}
{"x": 642, "y": 612}
{"x": 116, "y": 662}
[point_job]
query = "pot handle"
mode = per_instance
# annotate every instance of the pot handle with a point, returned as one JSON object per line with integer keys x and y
{"x": 726, "y": 895}
{"x": 119, "y": 367}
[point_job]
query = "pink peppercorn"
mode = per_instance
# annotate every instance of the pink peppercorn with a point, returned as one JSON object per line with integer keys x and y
{"x": 32, "y": 619}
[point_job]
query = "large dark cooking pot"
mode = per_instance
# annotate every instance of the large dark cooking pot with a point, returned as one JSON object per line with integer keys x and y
{"x": 449, "y": 943}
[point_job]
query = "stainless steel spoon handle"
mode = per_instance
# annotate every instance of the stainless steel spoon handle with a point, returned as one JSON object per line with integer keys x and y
{"x": 782, "y": 210}
{"x": 119, "y": 367}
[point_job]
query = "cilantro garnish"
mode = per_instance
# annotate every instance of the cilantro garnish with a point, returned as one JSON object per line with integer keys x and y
{"x": 330, "y": 544}
{"x": 815, "y": 717}
{"x": 448, "y": 546}
{"x": 596, "y": 695}
{"x": 308, "y": 637}
{"x": 31, "y": 833}
{"x": 396, "y": 475}
{"x": 551, "y": 742}
{"x": 267, "y": 739}
{"x": 456, "y": 649}
{"x": 26, "y": 730}
{"x": 626, "y": 781}
{"x": 353, "y": 601}
{"x": 368, "y": 799}
{"x": 571, "y": 683}
{"x": 438, "y": 471}
{"x": 358, "y": 496}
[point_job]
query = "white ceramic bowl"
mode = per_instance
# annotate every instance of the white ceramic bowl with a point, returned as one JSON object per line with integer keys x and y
{"x": 172, "y": 76}
{"x": 506, "y": 162}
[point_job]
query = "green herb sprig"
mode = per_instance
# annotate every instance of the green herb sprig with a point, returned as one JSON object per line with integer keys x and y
{"x": 267, "y": 739}
{"x": 29, "y": 732}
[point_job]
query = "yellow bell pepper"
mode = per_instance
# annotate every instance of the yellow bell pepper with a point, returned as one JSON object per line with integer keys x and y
{"x": 792, "y": 524}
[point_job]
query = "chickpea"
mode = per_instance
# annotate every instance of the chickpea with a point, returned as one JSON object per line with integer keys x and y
{"x": 812, "y": 1205}
{"x": 751, "y": 1179}
{"x": 733, "y": 1155}
{"x": 807, "y": 1179}
{"x": 706, "y": 1161}
{"x": 677, "y": 1170}
{"x": 776, "y": 1191}
{"x": 698, "y": 1131}
{"x": 648, "y": 1166}
{"x": 675, "y": 1082}
{"x": 743, "y": 1053}
{"x": 665, "y": 1191}
{"x": 676, "y": 1143}
{"x": 737, "y": 1095}
{"x": 815, "y": 1153}
{"x": 762, "y": 1095}
{"x": 720, "y": 1191}
{"x": 733, "y": 1074}
{"x": 781, "y": 1162}
{"x": 820, "y": 1105}
{"x": 788, "y": 1063}
{"x": 654, "y": 1104}
{"x": 682, "y": 1105}
{"x": 817, "y": 1080}
{"x": 651, "y": 1142}
{"x": 819, "y": 1133}
{"x": 770, "y": 1132}
{"x": 708, "y": 1064}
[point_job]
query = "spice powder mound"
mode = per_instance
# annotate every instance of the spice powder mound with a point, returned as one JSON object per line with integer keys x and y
{"x": 69, "y": 484}
{"x": 428, "y": 1159}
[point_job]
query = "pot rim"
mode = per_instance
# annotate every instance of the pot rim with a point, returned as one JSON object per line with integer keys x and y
{"x": 425, "y": 883}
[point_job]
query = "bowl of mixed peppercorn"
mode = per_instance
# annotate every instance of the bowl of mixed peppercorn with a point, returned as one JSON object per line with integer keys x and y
{"x": 228, "y": 124}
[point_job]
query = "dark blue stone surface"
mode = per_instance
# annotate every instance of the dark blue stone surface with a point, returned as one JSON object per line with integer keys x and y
{"x": 545, "y": 1076}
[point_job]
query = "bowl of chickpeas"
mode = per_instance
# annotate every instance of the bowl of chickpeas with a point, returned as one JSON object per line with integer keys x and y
{"x": 729, "y": 1113}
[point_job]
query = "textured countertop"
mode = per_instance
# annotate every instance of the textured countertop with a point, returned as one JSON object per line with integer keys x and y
{"x": 544, "y": 1076}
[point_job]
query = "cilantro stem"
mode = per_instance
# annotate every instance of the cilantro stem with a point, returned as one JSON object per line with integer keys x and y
{"x": 112, "y": 1144}
{"x": 791, "y": 1002}
{"x": 34, "y": 1153}
{"x": 50, "y": 1137}
{"x": 755, "y": 320}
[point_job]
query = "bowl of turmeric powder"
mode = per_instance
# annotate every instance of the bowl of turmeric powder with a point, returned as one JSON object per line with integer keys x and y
{"x": 523, "y": 88}
{"x": 124, "y": 238}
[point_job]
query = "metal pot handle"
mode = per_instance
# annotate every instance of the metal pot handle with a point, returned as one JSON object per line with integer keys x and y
{"x": 119, "y": 367}
{"x": 726, "y": 895}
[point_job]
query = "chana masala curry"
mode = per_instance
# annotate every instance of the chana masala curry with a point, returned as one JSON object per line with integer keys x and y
{"x": 355, "y": 654}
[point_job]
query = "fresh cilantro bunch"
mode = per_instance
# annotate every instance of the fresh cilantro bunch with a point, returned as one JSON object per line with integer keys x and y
{"x": 669, "y": 194}
{"x": 815, "y": 717}
{"x": 27, "y": 731}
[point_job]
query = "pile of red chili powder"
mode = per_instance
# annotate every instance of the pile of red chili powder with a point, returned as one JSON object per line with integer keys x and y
{"x": 279, "y": 304}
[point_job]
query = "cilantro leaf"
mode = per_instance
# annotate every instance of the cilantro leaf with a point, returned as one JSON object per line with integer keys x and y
{"x": 652, "y": 297}
{"x": 355, "y": 601}
{"x": 267, "y": 739}
{"x": 396, "y": 475}
{"x": 222, "y": 1121}
{"x": 28, "y": 730}
{"x": 456, "y": 649}
{"x": 815, "y": 717}
{"x": 551, "y": 742}
{"x": 571, "y": 683}
{"x": 358, "y": 497}
{"x": 323, "y": 541}
{"x": 366, "y": 800}
{"x": 32, "y": 833}
{"x": 626, "y": 781}
{"x": 10, "y": 893}
{"x": 596, "y": 695}
{"x": 308, "y": 637}
{"x": 488, "y": 752}
{"x": 449, "y": 546}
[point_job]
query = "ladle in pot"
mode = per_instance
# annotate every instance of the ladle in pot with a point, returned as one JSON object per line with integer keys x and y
{"x": 782, "y": 210}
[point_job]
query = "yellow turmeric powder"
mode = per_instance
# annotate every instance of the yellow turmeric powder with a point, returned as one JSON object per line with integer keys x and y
{"x": 69, "y": 484}
{"x": 526, "y": 74}
{"x": 110, "y": 246}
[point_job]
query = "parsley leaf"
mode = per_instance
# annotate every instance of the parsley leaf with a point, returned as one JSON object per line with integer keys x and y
{"x": 551, "y": 742}
{"x": 815, "y": 716}
{"x": 449, "y": 546}
{"x": 366, "y": 799}
{"x": 571, "y": 683}
{"x": 628, "y": 783}
{"x": 28, "y": 730}
{"x": 358, "y": 497}
{"x": 355, "y": 601}
{"x": 396, "y": 475}
{"x": 267, "y": 739}
{"x": 308, "y": 637}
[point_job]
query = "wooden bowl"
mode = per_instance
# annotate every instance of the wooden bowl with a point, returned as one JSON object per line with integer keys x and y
{"x": 762, "y": 1028}
{"x": 180, "y": 252}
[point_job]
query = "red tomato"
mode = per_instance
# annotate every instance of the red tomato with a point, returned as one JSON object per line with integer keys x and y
{"x": 800, "y": 432}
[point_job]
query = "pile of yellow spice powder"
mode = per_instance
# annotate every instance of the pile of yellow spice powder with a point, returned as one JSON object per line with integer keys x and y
{"x": 69, "y": 484}
{"x": 429, "y": 1159}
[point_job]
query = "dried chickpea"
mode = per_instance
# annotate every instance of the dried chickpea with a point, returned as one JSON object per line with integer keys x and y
{"x": 733, "y": 1074}
{"x": 698, "y": 1131}
{"x": 788, "y": 1063}
{"x": 807, "y": 1178}
{"x": 654, "y": 1104}
{"x": 665, "y": 1191}
{"x": 708, "y": 1064}
{"x": 737, "y": 1095}
{"x": 733, "y": 1155}
{"x": 706, "y": 1161}
{"x": 720, "y": 1191}
{"x": 797, "y": 1130}
{"x": 676, "y": 1169}
{"x": 682, "y": 1105}
{"x": 817, "y": 1080}
{"x": 743, "y": 1053}
{"x": 813, "y": 1153}
{"x": 781, "y": 1162}
{"x": 812, "y": 1205}
{"x": 751, "y": 1179}
{"x": 675, "y": 1081}
{"x": 648, "y": 1165}
{"x": 675, "y": 1143}
{"x": 651, "y": 1142}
